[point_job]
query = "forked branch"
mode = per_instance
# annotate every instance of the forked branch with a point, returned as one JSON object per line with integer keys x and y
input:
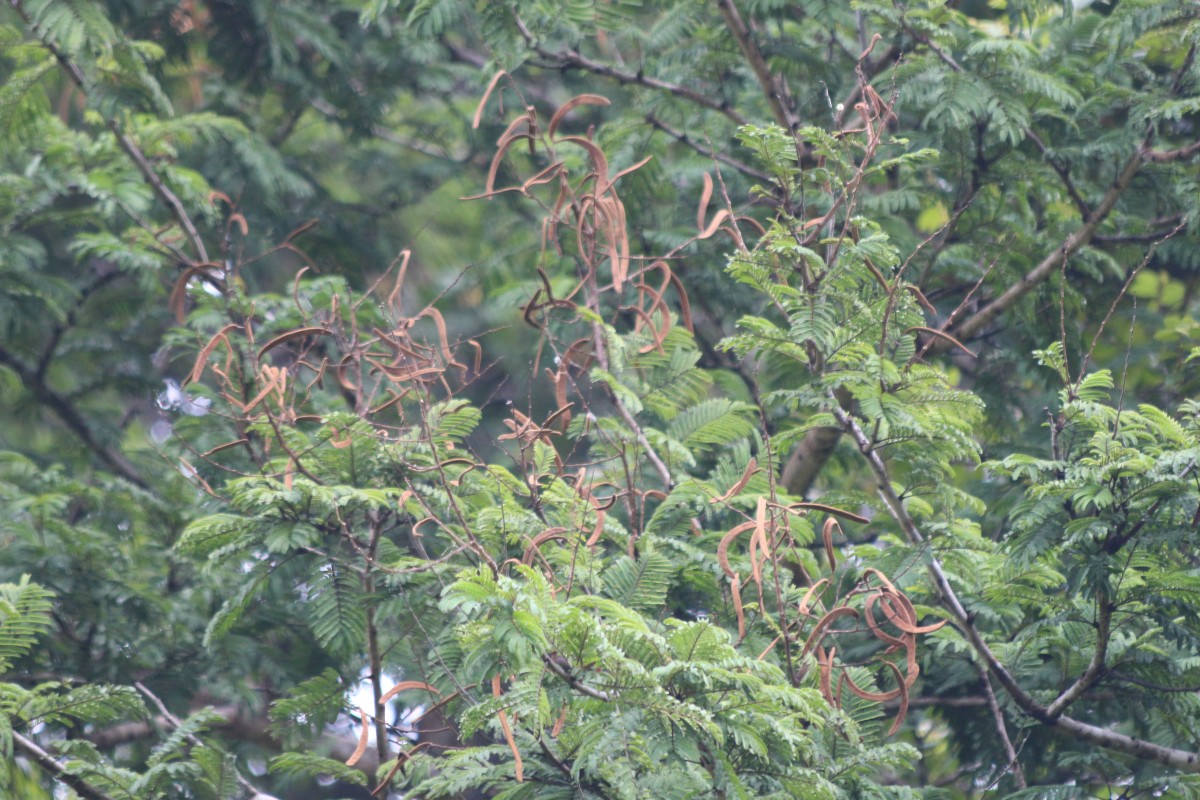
{"x": 1080, "y": 238}
{"x": 1183, "y": 760}
{"x": 31, "y": 750}
{"x": 139, "y": 159}
{"x": 772, "y": 85}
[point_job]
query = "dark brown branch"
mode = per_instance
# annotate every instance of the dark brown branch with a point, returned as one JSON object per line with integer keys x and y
{"x": 772, "y": 86}
{"x": 37, "y": 755}
{"x": 684, "y": 139}
{"x": 175, "y": 723}
{"x": 571, "y": 59}
{"x": 981, "y": 319}
{"x": 168, "y": 197}
{"x": 965, "y": 622}
{"x": 1063, "y": 174}
{"x": 1010, "y": 752}
{"x": 1179, "y": 154}
{"x": 71, "y": 417}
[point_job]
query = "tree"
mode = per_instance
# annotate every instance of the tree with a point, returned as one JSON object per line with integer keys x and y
{"x": 726, "y": 466}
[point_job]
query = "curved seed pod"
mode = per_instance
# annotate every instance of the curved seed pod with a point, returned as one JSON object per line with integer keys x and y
{"x": 574, "y": 102}
{"x": 875, "y": 627}
{"x": 825, "y": 661}
{"x": 904, "y": 616}
{"x": 797, "y": 508}
{"x": 818, "y": 632}
{"x": 558, "y": 723}
{"x": 942, "y": 335}
{"x": 734, "y": 490}
{"x": 403, "y": 686}
{"x": 877, "y": 697}
{"x": 903, "y": 712}
{"x": 202, "y": 357}
{"x": 505, "y": 143}
{"x": 401, "y": 760}
{"x": 738, "y": 610}
{"x": 622, "y": 173}
{"x": 296, "y": 334}
{"x": 827, "y": 537}
{"x": 543, "y": 537}
{"x": 812, "y": 590}
{"x": 910, "y": 660}
{"x": 882, "y": 578}
{"x": 723, "y": 546}
{"x": 362, "y": 738}
{"x": 755, "y": 563}
{"x": 685, "y": 308}
{"x": 486, "y": 94}
{"x": 598, "y": 531}
{"x": 508, "y": 734}
{"x": 760, "y": 527}
{"x": 770, "y": 647}
{"x": 599, "y": 161}
{"x": 705, "y": 196}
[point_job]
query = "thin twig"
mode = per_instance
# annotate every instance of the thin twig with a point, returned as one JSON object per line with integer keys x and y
{"x": 73, "y": 419}
{"x": 168, "y": 197}
{"x": 1081, "y": 237}
{"x": 772, "y": 86}
{"x": 686, "y": 140}
{"x": 1120, "y": 296}
{"x": 1010, "y": 752}
{"x": 564, "y": 672}
{"x": 177, "y": 723}
{"x": 570, "y": 59}
{"x": 1063, "y": 173}
{"x": 1179, "y": 154}
{"x": 31, "y": 750}
{"x": 1104, "y": 737}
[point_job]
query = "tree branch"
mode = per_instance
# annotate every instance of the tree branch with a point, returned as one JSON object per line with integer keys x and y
{"x": 684, "y": 139}
{"x": 564, "y": 671}
{"x": 30, "y": 749}
{"x": 168, "y": 197}
{"x": 235, "y": 724}
{"x": 982, "y": 318}
{"x": 1179, "y": 154}
{"x": 1010, "y": 752}
{"x": 1080, "y": 238}
{"x": 773, "y": 88}
{"x": 71, "y": 417}
{"x": 1063, "y": 174}
{"x": 934, "y": 701}
{"x": 808, "y": 459}
{"x": 965, "y": 622}
{"x": 246, "y": 785}
{"x": 571, "y": 59}
{"x": 1161, "y": 226}
{"x": 1094, "y": 668}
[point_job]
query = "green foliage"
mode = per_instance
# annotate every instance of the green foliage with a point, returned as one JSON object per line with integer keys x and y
{"x": 628, "y": 495}
{"x": 25, "y": 609}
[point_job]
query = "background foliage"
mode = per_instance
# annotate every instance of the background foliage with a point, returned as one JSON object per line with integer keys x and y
{"x": 801, "y": 407}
